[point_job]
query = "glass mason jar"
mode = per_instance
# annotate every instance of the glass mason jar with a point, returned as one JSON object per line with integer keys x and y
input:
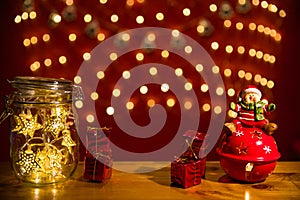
{"x": 44, "y": 144}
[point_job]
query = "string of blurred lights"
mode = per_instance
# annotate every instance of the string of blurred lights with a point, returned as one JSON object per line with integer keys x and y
{"x": 95, "y": 28}
{"x": 56, "y": 18}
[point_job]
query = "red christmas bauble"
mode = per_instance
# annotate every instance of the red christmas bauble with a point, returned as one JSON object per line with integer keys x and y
{"x": 248, "y": 154}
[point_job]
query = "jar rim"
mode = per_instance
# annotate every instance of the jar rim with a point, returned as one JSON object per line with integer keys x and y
{"x": 41, "y": 82}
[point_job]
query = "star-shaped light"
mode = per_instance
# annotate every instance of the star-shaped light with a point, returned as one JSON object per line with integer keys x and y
{"x": 50, "y": 159}
{"x": 56, "y": 121}
{"x": 267, "y": 149}
{"x": 54, "y": 125}
{"x": 67, "y": 139}
{"x": 26, "y": 124}
{"x": 19, "y": 124}
{"x": 27, "y": 162}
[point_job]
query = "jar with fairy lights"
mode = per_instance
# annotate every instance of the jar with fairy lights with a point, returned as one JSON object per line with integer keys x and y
{"x": 43, "y": 129}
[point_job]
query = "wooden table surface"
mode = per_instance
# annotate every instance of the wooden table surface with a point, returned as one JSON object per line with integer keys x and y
{"x": 283, "y": 184}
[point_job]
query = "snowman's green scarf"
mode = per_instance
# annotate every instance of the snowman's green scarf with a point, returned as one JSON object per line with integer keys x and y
{"x": 257, "y": 107}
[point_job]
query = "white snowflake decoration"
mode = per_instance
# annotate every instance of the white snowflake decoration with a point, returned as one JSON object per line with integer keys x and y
{"x": 267, "y": 149}
{"x": 239, "y": 133}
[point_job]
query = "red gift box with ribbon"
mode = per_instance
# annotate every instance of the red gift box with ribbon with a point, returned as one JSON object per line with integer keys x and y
{"x": 95, "y": 170}
{"x": 97, "y": 159}
{"x": 187, "y": 173}
{"x": 188, "y": 169}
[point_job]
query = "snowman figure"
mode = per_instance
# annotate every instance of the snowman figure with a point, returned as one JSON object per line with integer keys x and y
{"x": 251, "y": 111}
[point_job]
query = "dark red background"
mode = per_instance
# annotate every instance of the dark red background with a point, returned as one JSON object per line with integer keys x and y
{"x": 15, "y": 58}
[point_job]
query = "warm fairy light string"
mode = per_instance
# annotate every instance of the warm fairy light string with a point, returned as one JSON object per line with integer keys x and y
{"x": 202, "y": 26}
{"x": 48, "y": 147}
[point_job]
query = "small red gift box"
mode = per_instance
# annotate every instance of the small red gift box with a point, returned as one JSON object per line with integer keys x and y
{"x": 95, "y": 170}
{"x": 188, "y": 169}
{"x": 97, "y": 140}
{"x": 187, "y": 173}
{"x": 97, "y": 159}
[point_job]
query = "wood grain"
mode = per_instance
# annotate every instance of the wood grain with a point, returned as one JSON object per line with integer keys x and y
{"x": 284, "y": 183}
